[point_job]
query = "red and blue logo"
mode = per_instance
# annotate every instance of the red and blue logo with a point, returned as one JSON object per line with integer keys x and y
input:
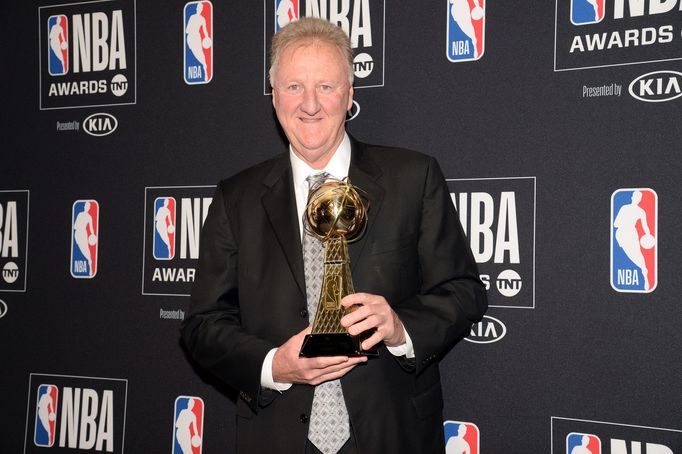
{"x": 58, "y": 45}
{"x": 198, "y": 31}
{"x": 285, "y": 11}
{"x": 461, "y": 437}
{"x": 46, "y": 416}
{"x": 188, "y": 425}
{"x": 466, "y": 30}
{"x": 164, "y": 228}
{"x": 634, "y": 238}
{"x": 587, "y": 11}
{"x": 578, "y": 443}
{"x": 84, "y": 238}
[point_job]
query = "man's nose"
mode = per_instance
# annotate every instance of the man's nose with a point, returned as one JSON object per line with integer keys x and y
{"x": 311, "y": 104}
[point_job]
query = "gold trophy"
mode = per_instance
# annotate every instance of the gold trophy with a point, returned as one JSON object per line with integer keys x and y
{"x": 336, "y": 215}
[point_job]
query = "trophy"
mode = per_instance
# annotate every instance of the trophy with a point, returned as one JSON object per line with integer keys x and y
{"x": 336, "y": 215}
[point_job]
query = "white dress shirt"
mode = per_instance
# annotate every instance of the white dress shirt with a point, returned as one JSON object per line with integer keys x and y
{"x": 337, "y": 167}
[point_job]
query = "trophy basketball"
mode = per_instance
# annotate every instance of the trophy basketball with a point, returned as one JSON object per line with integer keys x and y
{"x": 336, "y": 214}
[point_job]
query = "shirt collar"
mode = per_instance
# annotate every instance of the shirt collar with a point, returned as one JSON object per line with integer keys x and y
{"x": 337, "y": 166}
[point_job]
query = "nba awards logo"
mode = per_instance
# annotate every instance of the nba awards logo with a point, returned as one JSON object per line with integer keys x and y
{"x": 70, "y": 413}
{"x": 461, "y": 437}
{"x": 198, "y": 26}
{"x": 188, "y": 425}
{"x": 362, "y": 20}
{"x": 173, "y": 216}
{"x": 58, "y": 45}
{"x": 577, "y": 443}
{"x": 46, "y": 415}
{"x": 164, "y": 228}
{"x": 634, "y": 237}
{"x": 587, "y": 11}
{"x": 87, "y": 54}
{"x": 84, "y": 238}
{"x": 466, "y": 30}
{"x": 13, "y": 240}
{"x": 498, "y": 217}
{"x": 602, "y": 33}
{"x": 285, "y": 11}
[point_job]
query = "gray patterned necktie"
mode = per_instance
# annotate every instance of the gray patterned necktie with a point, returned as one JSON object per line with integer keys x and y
{"x": 329, "y": 425}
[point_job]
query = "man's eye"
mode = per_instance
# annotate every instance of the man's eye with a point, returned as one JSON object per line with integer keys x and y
{"x": 325, "y": 88}
{"x": 294, "y": 88}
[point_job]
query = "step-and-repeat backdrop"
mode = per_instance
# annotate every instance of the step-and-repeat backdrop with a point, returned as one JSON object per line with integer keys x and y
{"x": 557, "y": 126}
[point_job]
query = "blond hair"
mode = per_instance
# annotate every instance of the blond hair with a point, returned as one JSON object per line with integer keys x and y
{"x": 310, "y": 30}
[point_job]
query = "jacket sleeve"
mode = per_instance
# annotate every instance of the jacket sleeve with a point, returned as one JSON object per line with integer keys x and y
{"x": 212, "y": 331}
{"x": 451, "y": 297}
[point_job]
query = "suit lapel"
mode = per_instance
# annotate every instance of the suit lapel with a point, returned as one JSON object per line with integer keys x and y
{"x": 279, "y": 202}
{"x": 364, "y": 173}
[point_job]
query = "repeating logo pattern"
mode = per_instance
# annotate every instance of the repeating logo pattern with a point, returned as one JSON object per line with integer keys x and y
{"x": 14, "y": 211}
{"x": 587, "y": 11}
{"x": 46, "y": 416}
{"x": 466, "y": 30}
{"x": 198, "y": 32}
{"x": 461, "y": 437}
{"x": 173, "y": 220}
{"x": 188, "y": 425}
{"x": 58, "y": 45}
{"x": 87, "y": 54}
{"x": 634, "y": 251}
{"x": 84, "y": 238}
{"x": 498, "y": 217}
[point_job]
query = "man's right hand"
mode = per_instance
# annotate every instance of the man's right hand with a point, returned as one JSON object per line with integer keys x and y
{"x": 288, "y": 367}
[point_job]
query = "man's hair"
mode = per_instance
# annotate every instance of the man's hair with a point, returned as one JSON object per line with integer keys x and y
{"x": 306, "y": 31}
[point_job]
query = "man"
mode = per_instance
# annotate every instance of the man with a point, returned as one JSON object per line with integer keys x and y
{"x": 418, "y": 286}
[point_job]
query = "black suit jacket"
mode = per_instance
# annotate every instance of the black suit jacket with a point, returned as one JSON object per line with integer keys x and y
{"x": 249, "y": 297}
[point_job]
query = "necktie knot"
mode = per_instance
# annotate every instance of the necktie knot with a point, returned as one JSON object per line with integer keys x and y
{"x": 314, "y": 180}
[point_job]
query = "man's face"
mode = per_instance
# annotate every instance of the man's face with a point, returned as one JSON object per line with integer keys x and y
{"x": 311, "y": 95}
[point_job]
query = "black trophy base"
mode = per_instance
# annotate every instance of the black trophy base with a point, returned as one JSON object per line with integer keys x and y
{"x": 334, "y": 344}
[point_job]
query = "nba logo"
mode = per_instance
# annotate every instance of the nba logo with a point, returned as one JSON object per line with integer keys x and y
{"x": 164, "y": 228}
{"x": 634, "y": 237}
{"x": 84, "y": 238}
{"x": 466, "y": 30}
{"x": 285, "y": 11}
{"x": 188, "y": 425}
{"x": 461, "y": 437}
{"x": 46, "y": 416}
{"x": 198, "y": 26}
{"x": 587, "y": 11}
{"x": 58, "y": 45}
{"x": 577, "y": 443}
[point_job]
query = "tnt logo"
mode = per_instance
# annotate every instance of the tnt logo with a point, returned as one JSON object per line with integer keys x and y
{"x": 461, "y": 437}
{"x": 84, "y": 238}
{"x": 58, "y": 45}
{"x": 198, "y": 26}
{"x": 587, "y": 11}
{"x": 46, "y": 416}
{"x": 188, "y": 425}
{"x": 634, "y": 221}
{"x": 466, "y": 30}
{"x": 285, "y": 11}
{"x": 578, "y": 443}
{"x": 164, "y": 228}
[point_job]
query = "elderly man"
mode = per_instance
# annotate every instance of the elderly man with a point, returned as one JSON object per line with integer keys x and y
{"x": 418, "y": 285}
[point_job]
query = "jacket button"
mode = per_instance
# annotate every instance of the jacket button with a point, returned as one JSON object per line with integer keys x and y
{"x": 303, "y": 418}
{"x": 304, "y": 313}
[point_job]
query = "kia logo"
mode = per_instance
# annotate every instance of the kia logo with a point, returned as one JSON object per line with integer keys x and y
{"x": 657, "y": 86}
{"x": 100, "y": 124}
{"x": 487, "y": 331}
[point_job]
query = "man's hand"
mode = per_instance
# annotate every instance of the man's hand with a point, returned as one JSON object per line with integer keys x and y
{"x": 373, "y": 311}
{"x": 288, "y": 367}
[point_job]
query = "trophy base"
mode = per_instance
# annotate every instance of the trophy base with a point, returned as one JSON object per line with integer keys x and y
{"x": 334, "y": 344}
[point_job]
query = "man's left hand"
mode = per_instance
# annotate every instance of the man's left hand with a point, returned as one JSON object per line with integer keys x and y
{"x": 373, "y": 311}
